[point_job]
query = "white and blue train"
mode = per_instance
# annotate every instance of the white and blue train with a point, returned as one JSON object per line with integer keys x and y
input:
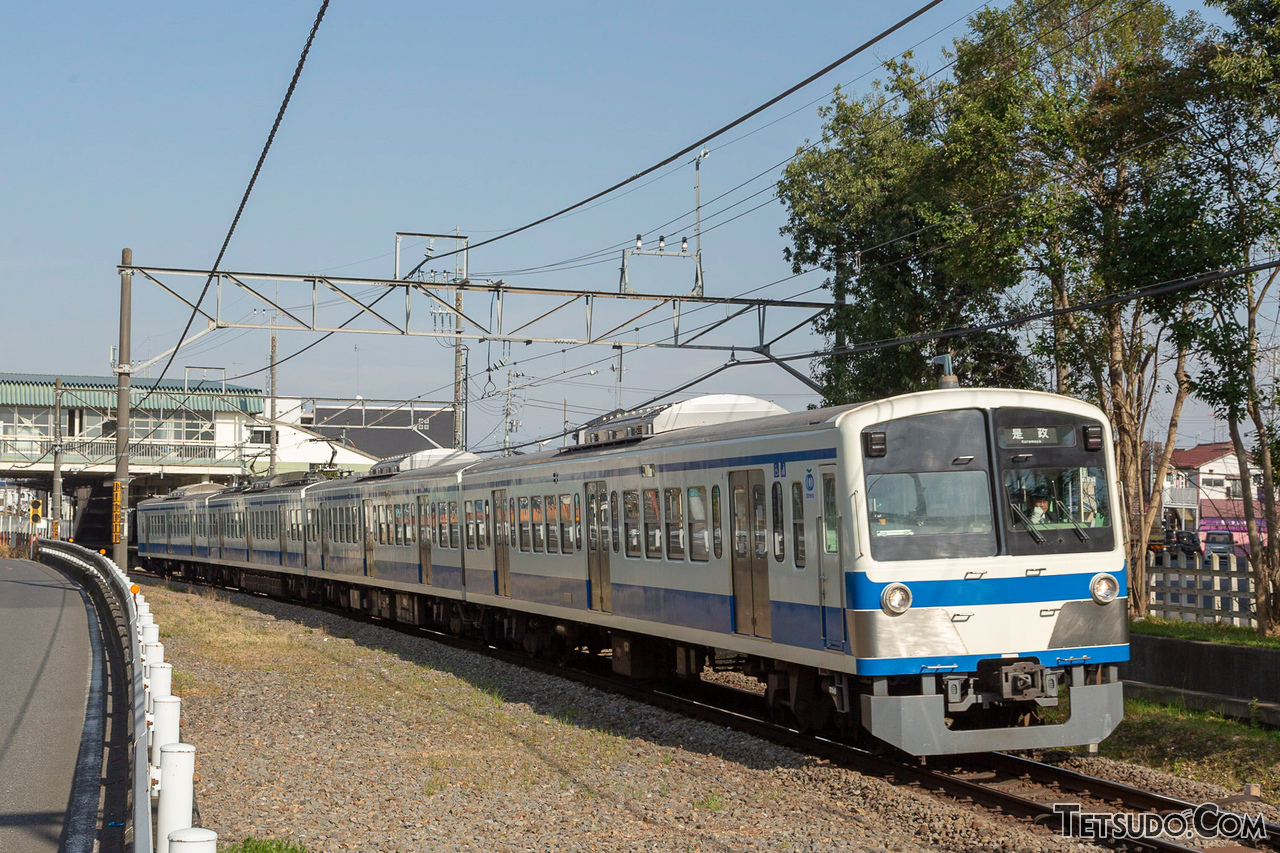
{"x": 936, "y": 568}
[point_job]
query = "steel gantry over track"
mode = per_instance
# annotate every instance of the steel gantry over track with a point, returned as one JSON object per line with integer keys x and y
{"x": 377, "y": 311}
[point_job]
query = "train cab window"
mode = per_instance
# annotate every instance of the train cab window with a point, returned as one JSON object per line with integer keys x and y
{"x": 631, "y": 517}
{"x": 539, "y": 532}
{"x": 699, "y": 546}
{"x": 526, "y": 535}
{"x": 797, "y": 525}
{"x": 673, "y": 506}
{"x": 779, "y": 530}
{"x": 615, "y": 520}
{"x": 717, "y": 532}
{"x": 553, "y": 525}
{"x": 652, "y": 525}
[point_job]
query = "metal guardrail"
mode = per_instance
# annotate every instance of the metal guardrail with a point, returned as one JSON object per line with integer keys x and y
{"x": 117, "y": 584}
{"x": 103, "y": 450}
{"x": 162, "y": 766}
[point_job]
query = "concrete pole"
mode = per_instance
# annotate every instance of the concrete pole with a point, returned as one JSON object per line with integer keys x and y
{"x": 165, "y": 730}
{"x": 193, "y": 840}
{"x": 271, "y": 468}
{"x": 120, "y": 487}
{"x": 459, "y": 378}
{"x": 55, "y": 499}
{"x": 177, "y": 791}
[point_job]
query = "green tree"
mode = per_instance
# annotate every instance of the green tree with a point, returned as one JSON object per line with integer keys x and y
{"x": 1046, "y": 171}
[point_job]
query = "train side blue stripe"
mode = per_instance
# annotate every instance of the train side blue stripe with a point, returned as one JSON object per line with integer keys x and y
{"x": 864, "y": 594}
{"x": 969, "y": 663}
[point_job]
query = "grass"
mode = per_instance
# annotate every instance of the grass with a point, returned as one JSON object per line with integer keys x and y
{"x": 709, "y": 803}
{"x": 1206, "y": 632}
{"x": 264, "y": 845}
{"x": 1197, "y": 745}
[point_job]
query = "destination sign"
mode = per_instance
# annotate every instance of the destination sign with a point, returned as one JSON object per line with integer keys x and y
{"x": 1038, "y": 436}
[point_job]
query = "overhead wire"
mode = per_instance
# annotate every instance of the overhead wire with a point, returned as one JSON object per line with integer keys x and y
{"x": 244, "y": 199}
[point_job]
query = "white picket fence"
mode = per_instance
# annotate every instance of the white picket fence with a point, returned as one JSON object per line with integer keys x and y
{"x": 1217, "y": 588}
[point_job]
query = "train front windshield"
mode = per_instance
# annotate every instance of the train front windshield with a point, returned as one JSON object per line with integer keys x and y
{"x": 935, "y": 489}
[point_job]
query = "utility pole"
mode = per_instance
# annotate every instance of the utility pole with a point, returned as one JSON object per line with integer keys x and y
{"x": 509, "y": 423}
{"x": 271, "y": 466}
{"x": 55, "y": 499}
{"x": 120, "y": 486}
{"x": 459, "y": 361}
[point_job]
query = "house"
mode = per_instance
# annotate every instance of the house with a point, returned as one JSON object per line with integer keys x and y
{"x": 1203, "y": 491}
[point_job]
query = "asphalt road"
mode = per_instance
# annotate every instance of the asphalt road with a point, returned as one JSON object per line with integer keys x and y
{"x": 44, "y": 679}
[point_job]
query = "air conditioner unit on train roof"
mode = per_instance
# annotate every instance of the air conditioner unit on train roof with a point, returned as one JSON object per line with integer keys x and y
{"x": 707, "y": 410}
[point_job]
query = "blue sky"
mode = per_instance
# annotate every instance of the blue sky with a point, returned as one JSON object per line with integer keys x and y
{"x": 138, "y": 124}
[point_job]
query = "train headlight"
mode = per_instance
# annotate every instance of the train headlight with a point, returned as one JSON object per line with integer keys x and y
{"x": 1104, "y": 588}
{"x": 896, "y": 599}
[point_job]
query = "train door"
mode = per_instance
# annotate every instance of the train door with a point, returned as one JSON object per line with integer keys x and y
{"x": 598, "y": 547}
{"x": 830, "y": 574}
{"x": 370, "y": 531}
{"x": 749, "y": 532}
{"x": 424, "y": 536}
{"x": 501, "y": 543}
{"x": 326, "y": 522}
{"x": 282, "y": 527}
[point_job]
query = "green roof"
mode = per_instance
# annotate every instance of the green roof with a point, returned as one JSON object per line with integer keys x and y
{"x": 100, "y": 392}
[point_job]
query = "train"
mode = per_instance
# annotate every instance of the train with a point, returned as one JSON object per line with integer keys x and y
{"x": 941, "y": 571}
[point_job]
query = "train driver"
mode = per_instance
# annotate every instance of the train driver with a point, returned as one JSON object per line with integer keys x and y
{"x": 1040, "y": 509}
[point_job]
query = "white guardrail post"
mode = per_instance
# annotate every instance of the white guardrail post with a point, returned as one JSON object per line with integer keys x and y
{"x": 177, "y": 791}
{"x": 163, "y": 766}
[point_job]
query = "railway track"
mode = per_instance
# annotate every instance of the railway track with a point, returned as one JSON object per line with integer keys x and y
{"x": 1018, "y": 787}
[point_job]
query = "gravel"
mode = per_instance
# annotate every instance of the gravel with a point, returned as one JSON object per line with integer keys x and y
{"x": 342, "y": 736}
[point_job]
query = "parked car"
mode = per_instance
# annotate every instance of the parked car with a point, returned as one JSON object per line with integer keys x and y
{"x": 1219, "y": 542}
{"x": 1188, "y": 542}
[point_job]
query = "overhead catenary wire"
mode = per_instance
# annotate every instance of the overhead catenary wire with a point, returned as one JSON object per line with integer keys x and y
{"x": 244, "y": 199}
{"x": 699, "y": 143}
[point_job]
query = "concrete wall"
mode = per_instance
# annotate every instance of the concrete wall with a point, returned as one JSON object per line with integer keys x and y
{"x": 1237, "y": 671}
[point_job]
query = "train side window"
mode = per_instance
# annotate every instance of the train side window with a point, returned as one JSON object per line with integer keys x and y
{"x": 830, "y": 516}
{"x": 539, "y": 532}
{"x": 779, "y": 530}
{"x": 553, "y": 525}
{"x": 673, "y": 510}
{"x": 615, "y": 519}
{"x": 526, "y": 537}
{"x": 577, "y": 518}
{"x": 511, "y": 521}
{"x": 652, "y": 525}
{"x": 698, "y": 544}
{"x": 482, "y": 524}
{"x": 442, "y": 524}
{"x": 469, "y": 515}
{"x": 410, "y": 525}
{"x": 797, "y": 525}
{"x": 567, "y": 543}
{"x": 631, "y": 516}
{"x": 717, "y": 532}
{"x": 454, "y": 538}
{"x": 400, "y": 537}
